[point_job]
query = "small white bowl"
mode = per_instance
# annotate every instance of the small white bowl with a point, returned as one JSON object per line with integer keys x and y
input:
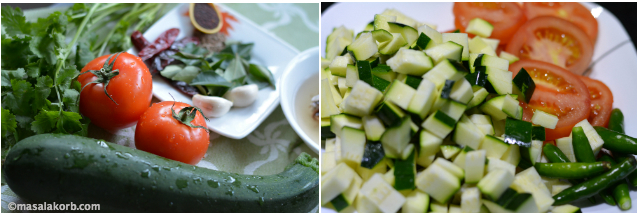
{"x": 300, "y": 82}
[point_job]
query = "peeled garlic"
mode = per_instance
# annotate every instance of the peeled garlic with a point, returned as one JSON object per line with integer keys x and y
{"x": 212, "y": 106}
{"x": 243, "y": 96}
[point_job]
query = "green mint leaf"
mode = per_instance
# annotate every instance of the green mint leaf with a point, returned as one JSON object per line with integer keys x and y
{"x": 193, "y": 51}
{"x": 8, "y": 122}
{"x": 15, "y": 51}
{"x": 262, "y": 73}
{"x": 210, "y": 78}
{"x": 69, "y": 123}
{"x": 66, "y": 76}
{"x": 45, "y": 121}
{"x": 171, "y": 70}
{"x": 243, "y": 50}
{"x": 187, "y": 74}
{"x": 235, "y": 69}
{"x": 8, "y": 75}
{"x": 13, "y": 21}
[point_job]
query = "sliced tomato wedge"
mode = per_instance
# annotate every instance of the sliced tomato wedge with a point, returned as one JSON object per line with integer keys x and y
{"x": 558, "y": 92}
{"x": 506, "y": 17}
{"x": 601, "y": 101}
{"x": 553, "y": 40}
{"x": 574, "y": 12}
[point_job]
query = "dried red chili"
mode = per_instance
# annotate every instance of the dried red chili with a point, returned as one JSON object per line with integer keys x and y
{"x": 138, "y": 40}
{"x": 163, "y": 42}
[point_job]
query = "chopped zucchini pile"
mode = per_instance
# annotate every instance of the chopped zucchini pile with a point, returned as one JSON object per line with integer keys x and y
{"x": 430, "y": 122}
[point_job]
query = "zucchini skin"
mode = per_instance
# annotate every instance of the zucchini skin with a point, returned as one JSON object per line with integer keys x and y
{"x": 68, "y": 168}
{"x": 616, "y": 121}
{"x": 617, "y": 142}
{"x": 595, "y": 185}
{"x": 554, "y": 154}
{"x": 581, "y": 146}
{"x": 571, "y": 170}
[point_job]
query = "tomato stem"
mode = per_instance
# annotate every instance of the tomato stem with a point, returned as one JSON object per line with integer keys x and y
{"x": 187, "y": 114}
{"x": 105, "y": 74}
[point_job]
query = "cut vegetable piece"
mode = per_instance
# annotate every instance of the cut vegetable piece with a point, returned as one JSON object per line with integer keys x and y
{"x": 372, "y": 155}
{"x": 453, "y": 208}
{"x": 395, "y": 139}
{"x": 328, "y": 108}
{"x": 410, "y": 34}
{"x": 449, "y": 151}
{"x": 338, "y": 99}
{"x": 494, "y": 146}
{"x": 539, "y": 133}
{"x": 474, "y": 166}
{"x": 477, "y": 45}
{"x": 342, "y": 82}
{"x": 518, "y": 132}
{"x": 416, "y": 202}
{"x": 352, "y": 76}
{"x": 410, "y": 62}
{"x": 336, "y": 182}
{"x": 342, "y": 120}
{"x": 338, "y": 39}
{"x": 380, "y": 84}
{"x": 458, "y": 38}
{"x": 566, "y": 209}
{"x": 493, "y": 107}
{"x": 412, "y": 81}
{"x": 390, "y": 114}
{"x": 440, "y": 184}
{"x": 532, "y": 153}
{"x": 436, "y": 206}
{"x": 511, "y": 107}
{"x": 499, "y": 79}
{"x": 374, "y": 129}
{"x": 338, "y": 67}
{"x": 557, "y": 188}
{"x": 494, "y": 207}
{"x": 481, "y": 27}
{"x": 512, "y": 155}
{"x": 424, "y": 42}
{"x": 565, "y": 145}
{"x": 523, "y": 85}
{"x": 530, "y": 181}
{"x": 364, "y": 71}
{"x": 470, "y": 200}
{"x": 479, "y": 96}
{"x": 467, "y": 133}
{"x": 453, "y": 109}
{"x": 439, "y": 123}
{"x": 450, "y": 167}
{"x": 346, "y": 198}
{"x": 391, "y": 47}
{"x": 593, "y": 137}
{"x": 363, "y": 47}
{"x": 461, "y": 91}
{"x": 462, "y": 157}
{"x": 523, "y": 202}
{"x": 431, "y": 33}
{"x": 381, "y": 194}
{"x": 361, "y": 100}
{"x": 495, "y": 183}
{"x": 405, "y": 172}
{"x": 429, "y": 146}
{"x": 366, "y": 173}
{"x": 326, "y": 131}
{"x": 492, "y": 42}
{"x": 445, "y": 70}
{"x": 381, "y": 21}
{"x": 509, "y": 57}
{"x": 447, "y": 50}
{"x": 496, "y": 163}
{"x": 446, "y": 89}
{"x": 383, "y": 71}
{"x": 400, "y": 94}
{"x": 352, "y": 146}
{"x": 381, "y": 35}
{"x": 483, "y": 122}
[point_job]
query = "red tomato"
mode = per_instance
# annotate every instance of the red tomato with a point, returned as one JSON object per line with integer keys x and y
{"x": 601, "y": 101}
{"x": 506, "y": 17}
{"x": 558, "y": 92}
{"x": 574, "y": 12}
{"x": 132, "y": 89}
{"x": 158, "y": 132}
{"x": 553, "y": 40}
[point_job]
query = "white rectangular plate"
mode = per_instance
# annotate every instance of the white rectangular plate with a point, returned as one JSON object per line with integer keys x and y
{"x": 268, "y": 51}
{"x": 616, "y": 69}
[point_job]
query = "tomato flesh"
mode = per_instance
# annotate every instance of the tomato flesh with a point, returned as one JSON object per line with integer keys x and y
{"x": 601, "y": 101}
{"x": 132, "y": 89}
{"x": 574, "y": 12}
{"x": 159, "y": 133}
{"x": 506, "y": 17}
{"x": 557, "y": 92}
{"x": 553, "y": 40}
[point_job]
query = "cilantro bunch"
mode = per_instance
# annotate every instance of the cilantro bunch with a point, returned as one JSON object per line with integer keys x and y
{"x": 41, "y": 60}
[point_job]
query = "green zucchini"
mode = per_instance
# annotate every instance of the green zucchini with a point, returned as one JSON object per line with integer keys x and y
{"x": 69, "y": 168}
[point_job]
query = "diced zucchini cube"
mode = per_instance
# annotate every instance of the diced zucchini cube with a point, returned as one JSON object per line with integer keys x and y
{"x": 481, "y": 27}
{"x": 382, "y": 195}
{"x": 363, "y": 47}
{"x": 446, "y": 50}
{"x": 565, "y": 145}
{"x": 328, "y": 107}
{"x": 416, "y": 202}
{"x": 467, "y": 133}
{"x": 336, "y": 182}
{"x": 443, "y": 71}
{"x": 459, "y": 38}
{"x": 338, "y": 66}
{"x": 474, "y": 166}
{"x": 431, "y": 33}
{"x": 470, "y": 200}
{"x": 495, "y": 183}
{"x": 440, "y": 184}
{"x": 439, "y": 123}
{"x": 361, "y": 100}
{"x": 410, "y": 62}
{"x": 512, "y": 155}
{"x": 496, "y": 163}
{"x": 593, "y": 138}
{"x": 494, "y": 146}
{"x": 351, "y": 76}
{"x": 400, "y": 94}
{"x": 449, "y": 151}
{"x": 352, "y": 146}
{"x": 510, "y": 107}
{"x": 462, "y": 91}
{"x": 509, "y": 57}
{"x": 450, "y": 167}
{"x": 423, "y": 99}
{"x": 374, "y": 129}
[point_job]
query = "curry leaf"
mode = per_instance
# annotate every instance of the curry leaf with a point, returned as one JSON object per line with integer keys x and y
{"x": 187, "y": 74}
{"x": 210, "y": 78}
{"x": 262, "y": 73}
{"x": 235, "y": 69}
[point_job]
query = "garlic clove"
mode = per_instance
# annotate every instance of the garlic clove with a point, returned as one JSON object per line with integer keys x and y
{"x": 212, "y": 106}
{"x": 243, "y": 96}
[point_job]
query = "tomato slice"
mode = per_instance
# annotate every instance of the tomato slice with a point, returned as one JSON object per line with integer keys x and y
{"x": 506, "y": 17}
{"x": 601, "y": 101}
{"x": 574, "y": 12}
{"x": 558, "y": 92}
{"x": 553, "y": 40}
